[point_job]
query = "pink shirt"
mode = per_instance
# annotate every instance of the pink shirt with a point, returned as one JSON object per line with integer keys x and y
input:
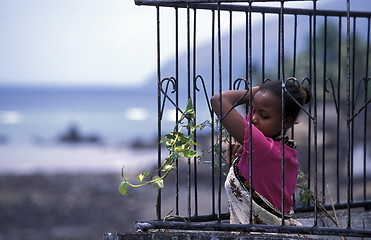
{"x": 267, "y": 167}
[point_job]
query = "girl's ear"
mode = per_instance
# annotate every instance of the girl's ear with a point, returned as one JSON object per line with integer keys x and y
{"x": 289, "y": 121}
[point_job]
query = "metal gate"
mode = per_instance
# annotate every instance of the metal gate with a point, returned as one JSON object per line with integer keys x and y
{"x": 221, "y": 45}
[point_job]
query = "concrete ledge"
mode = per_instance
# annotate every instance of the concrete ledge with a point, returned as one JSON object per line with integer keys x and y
{"x": 197, "y": 235}
{"x": 361, "y": 220}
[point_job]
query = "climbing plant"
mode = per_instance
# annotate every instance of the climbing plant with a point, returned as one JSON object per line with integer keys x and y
{"x": 180, "y": 144}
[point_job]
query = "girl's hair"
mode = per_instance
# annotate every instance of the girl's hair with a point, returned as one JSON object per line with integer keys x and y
{"x": 300, "y": 93}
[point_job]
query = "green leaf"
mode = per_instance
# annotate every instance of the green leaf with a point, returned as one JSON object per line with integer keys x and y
{"x": 190, "y": 112}
{"x": 179, "y": 149}
{"x": 123, "y": 188}
{"x": 167, "y": 168}
{"x": 171, "y": 158}
{"x": 158, "y": 182}
{"x": 189, "y": 153}
{"x": 169, "y": 139}
{"x": 181, "y": 139}
{"x": 305, "y": 196}
{"x": 142, "y": 176}
{"x": 189, "y": 105}
{"x": 191, "y": 142}
{"x": 205, "y": 124}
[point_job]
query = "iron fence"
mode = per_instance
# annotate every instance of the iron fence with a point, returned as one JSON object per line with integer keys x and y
{"x": 236, "y": 45}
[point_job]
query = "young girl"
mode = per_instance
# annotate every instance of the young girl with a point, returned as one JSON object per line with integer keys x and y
{"x": 266, "y": 160}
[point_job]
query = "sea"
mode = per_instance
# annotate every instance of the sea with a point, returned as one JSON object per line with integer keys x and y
{"x": 77, "y": 129}
{"x": 83, "y": 129}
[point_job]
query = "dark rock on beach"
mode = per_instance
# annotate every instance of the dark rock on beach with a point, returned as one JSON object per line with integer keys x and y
{"x": 73, "y": 135}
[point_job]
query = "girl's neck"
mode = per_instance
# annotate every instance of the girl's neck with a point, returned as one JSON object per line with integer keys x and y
{"x": 289, "y": 142}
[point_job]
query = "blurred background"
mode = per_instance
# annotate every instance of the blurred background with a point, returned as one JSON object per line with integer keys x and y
{"x": 77, "y": 94}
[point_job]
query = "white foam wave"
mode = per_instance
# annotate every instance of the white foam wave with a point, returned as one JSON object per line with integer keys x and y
{"x": 10, "y": 117}
{"x": 137, "y": 114}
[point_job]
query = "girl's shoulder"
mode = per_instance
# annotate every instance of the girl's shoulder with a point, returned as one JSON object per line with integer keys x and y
{"x": 289, "y": 151}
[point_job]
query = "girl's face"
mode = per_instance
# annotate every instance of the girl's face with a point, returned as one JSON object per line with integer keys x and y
{"x": 267, "y": 113}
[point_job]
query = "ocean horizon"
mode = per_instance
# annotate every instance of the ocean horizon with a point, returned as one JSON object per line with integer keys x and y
{"x": 36, "y": 125}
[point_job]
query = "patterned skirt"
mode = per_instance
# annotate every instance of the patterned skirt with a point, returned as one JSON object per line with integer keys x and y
{"x": 263, "y": 212}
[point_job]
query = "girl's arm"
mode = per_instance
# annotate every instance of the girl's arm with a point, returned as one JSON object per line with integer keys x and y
{"x": 233, "y": 121}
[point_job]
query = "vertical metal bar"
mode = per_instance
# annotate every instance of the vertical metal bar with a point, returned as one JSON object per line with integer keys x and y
{"x": 294, "y": 64}
{"x": 194, "y": 105}
{"x": 365, "y": 115}
{"x": 249, "y": 77}
{"x": 158, "y": 201}
{"x": 188, "y": 96}
{"x": 324, "y": 111}
{"x": 282, "y": 77}
{"x": 310, "y": 109}
{"x": 230, "y": 74}
{"x": 177, "y": 103}
{"x": 338, "y": 116}
{"x": 220, "y": 91}
{"x": 365, "y": 142}
{"x": 263, "y": 47}
{"x": 279, "y": 49}
{"x": 353, "y": 80}
{"x": 368, "y": 46}
{"x": 212, "y": 115}
{"x": 247, "y": 45}
{"x": 295, "y": 44}
{"x": 294, "y": 72}
{"x": 348, "y": 116}
{"x": 315, "y": 110}
{"x": 230, "y": 49}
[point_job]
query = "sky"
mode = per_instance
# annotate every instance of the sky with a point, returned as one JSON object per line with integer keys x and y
{"x": 76, "y": 42}
{"x": 79, "y": 42}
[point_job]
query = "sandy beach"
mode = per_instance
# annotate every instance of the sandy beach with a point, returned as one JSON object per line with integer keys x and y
{"x": 69, "y": 206}
{"x": 82, "y": 205}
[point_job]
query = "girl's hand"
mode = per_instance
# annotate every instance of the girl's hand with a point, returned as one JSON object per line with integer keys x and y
{"x": 233, "y": 152}
{"x": 224, "y": 106}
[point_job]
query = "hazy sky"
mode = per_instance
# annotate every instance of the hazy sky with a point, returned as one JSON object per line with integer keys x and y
{"x": 78, "y": 42}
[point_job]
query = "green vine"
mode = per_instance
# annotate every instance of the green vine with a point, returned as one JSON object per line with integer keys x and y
{"x": 179, "y": 144}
